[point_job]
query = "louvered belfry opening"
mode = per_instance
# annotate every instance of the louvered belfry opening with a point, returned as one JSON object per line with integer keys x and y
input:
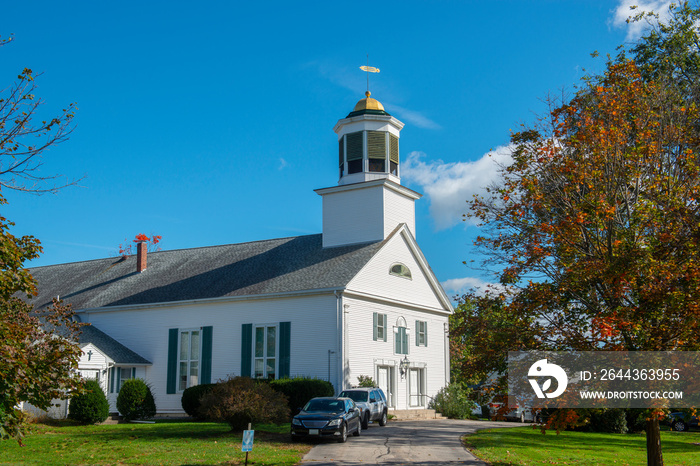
{"x": 353, "y": 142}
{"x": 376, "y": 151}
{"x": 393, "y": 155}
{"x": 351, "y": 149}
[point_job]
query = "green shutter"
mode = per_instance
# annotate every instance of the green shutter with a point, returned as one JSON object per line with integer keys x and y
{"x": 374, "y": 317}
{"x": 111, "y": 379}
{"x": 246, "y": 349}
{"x": 376, "y": 145}
{"x": 133, "y": 372}
{"x": 285, "y": 348}
{"x": 397, "y": 341}
{"x": 207, "y": 333}
{"x": 341, "y": 152}
{"x": 417, "y": 332}
{"x": 425, "y": 333}
{"x": 386, "y": 327}
{"x": 354, "y": 146}
{"x": 172, "y": 361}
{"x": 118, "y": 378}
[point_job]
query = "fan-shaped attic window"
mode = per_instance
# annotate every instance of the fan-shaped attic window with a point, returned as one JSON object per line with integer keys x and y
{"x": 400, "y": 270}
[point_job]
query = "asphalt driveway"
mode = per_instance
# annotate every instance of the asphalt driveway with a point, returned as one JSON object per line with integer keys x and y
{"x": 425, "y": 442}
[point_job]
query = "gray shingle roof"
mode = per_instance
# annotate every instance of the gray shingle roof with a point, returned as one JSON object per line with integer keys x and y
{"x": 255, "y": 268}
{"x": 119, "y": 353}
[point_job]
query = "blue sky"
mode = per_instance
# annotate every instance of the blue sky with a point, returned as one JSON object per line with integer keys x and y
{"x": 211, "y": 122}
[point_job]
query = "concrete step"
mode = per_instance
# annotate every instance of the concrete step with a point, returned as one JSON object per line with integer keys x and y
{"x": 414, "y": 414}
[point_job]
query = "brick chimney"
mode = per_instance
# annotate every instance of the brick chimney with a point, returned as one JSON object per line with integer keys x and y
{"x": 141, "y": 253}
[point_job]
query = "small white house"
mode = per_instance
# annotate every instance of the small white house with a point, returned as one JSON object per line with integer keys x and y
{"x": 357, "y": 299}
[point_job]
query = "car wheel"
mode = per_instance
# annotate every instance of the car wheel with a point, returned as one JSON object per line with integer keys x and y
{"x": 358, "y": 432}
{"x": 343, "y": 434}
{"x": 679, "y": 426}
{"x": 382, "y": 421}
{"x": 522, "y": 417}
{"x": 365, "y": 422}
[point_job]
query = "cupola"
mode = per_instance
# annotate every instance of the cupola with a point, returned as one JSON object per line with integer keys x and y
{"x": 368, "y": 203}
{"x": 368, "y": 143}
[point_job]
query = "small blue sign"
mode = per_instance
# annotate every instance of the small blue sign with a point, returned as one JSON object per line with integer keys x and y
{"x": 248, "y": 440}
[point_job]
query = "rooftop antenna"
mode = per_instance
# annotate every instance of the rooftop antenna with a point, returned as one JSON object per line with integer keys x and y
{"x": 369, "y": 69}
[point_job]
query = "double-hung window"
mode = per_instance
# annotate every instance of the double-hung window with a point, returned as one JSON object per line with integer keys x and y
{"x": 401, "y": 340}
{"x": 379, "y": 333}
{"x": 265, "y": 351}
{"x": 421, "y": 333}
{"x": 189, "y": 358}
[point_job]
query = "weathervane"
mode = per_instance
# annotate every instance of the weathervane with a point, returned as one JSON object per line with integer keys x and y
{"x": 369, "y": 69}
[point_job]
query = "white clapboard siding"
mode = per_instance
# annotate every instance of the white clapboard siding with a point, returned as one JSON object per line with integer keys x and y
{"x": 145, "y": 331}
{"x": 353, "y": 216}
{"x": 364, "y": 354}
{"x": 376, "y": 280}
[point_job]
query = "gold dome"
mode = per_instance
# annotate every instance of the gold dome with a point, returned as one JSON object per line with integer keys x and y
{"x": 368, "y": 103}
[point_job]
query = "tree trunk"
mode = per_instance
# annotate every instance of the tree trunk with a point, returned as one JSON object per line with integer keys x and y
{"x": 654, "y": 455}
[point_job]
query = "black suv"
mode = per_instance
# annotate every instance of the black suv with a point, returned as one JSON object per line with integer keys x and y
{"x": 372, "y": 403}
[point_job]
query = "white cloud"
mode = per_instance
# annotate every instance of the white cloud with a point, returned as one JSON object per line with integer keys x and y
{"x": 459, "y": 286}
{"x": 449, "y": 186}
{"x": 636, "y": 29}
{"x": 412, "y": 117}
{"x": 283, "y": 164}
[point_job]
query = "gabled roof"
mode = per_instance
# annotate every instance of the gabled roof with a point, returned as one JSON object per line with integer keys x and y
{"x": 273, "y": 266}
{"x": 114, "y": 350}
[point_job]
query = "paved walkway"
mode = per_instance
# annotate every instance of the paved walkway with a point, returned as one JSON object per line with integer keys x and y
{"x": 426, "y": 442}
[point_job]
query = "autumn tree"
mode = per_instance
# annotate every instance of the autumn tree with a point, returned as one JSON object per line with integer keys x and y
{"x": 38, "y": 348}
{"x": 595, "y": 225}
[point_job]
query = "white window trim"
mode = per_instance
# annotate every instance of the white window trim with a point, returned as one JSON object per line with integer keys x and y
{"x": 424, "y": 324}
{"x": 276, "y": 325}
{"x": 179, "y": 361}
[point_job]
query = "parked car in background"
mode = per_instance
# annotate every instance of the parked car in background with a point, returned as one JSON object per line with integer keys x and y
{"x": 325, "y": 417}
{"x": 372, "y": 403}
{"x": 512, "y": 411}
{"x": 681, "y": 422}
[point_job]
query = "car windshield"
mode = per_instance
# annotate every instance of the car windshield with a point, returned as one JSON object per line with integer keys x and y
{"x": 355, "y": 395}
{"x": 324, "y": 406}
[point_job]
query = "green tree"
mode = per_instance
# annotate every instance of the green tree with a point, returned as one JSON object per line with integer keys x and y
{"x": 36, "y": 366}
{"x": 594, "y": 225}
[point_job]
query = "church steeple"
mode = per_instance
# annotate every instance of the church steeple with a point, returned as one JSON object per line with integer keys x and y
{"x": 368, "y": 143}
{"x": 369, "y": 201}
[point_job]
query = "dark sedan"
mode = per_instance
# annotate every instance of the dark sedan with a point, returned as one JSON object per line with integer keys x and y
{"x": 327, "y": 418}
{"x": 681, "y": 422}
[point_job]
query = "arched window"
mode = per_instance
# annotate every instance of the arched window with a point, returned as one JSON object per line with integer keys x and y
{"x": 400, "y": 270}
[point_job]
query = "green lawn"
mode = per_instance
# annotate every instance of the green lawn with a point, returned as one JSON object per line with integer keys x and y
{"x": 160, "y": 443}
{"x": 527, "y": 446}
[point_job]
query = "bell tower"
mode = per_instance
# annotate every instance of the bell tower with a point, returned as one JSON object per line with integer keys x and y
{"x": 368, "y": 143}
{"x": 369, "y": 201}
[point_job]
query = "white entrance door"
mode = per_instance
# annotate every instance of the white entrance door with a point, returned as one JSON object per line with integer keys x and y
{"x": 416, "y": 388}
{"x": 385, "y": 380}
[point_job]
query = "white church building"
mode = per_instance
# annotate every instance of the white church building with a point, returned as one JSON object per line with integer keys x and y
{"x": 359, "y": 299}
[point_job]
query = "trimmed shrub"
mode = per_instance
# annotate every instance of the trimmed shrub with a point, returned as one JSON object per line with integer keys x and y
{"x": 241, "y": 400}
{"x": 135, "y": 400}
{"x": 453, "y": 402}
{"x": 366, "y": 381}
{"x": 191, "y": 398}
{"x": 90, "y": 406}
{"x": 300, "y": 390}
